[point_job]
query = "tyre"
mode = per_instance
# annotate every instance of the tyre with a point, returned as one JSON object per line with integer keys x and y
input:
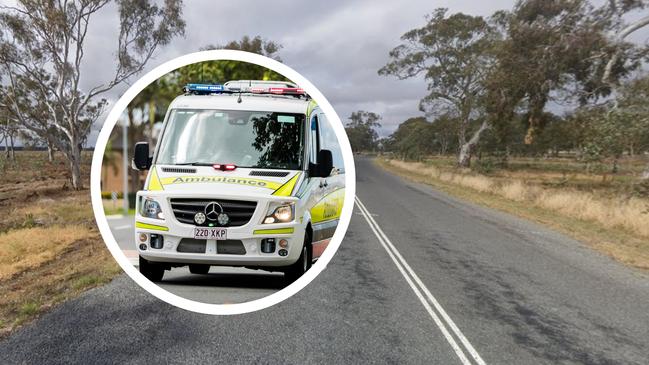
{"x": 303, "y": 263}
{"x": 199, "y": 269}
{"x": 151, "y": 270}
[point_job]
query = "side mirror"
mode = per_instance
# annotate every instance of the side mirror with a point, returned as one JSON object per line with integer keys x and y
{"x": 141, "y": 159}
{"x": 324, "y": 166}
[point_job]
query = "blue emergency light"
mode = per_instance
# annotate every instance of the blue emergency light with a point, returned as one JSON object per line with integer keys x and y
{"x": 204, "y": 88}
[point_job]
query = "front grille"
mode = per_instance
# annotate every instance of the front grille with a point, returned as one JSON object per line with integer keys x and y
{"x": 239, "y": 211}
{"x": 268, "y": 173}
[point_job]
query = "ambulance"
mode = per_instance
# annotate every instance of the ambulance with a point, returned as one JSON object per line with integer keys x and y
{"x": 246, "y": 174}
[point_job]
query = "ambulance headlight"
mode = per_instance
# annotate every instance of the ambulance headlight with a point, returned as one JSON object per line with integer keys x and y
{"x": 280, "y": 213}
{"x": 151, "y": 209}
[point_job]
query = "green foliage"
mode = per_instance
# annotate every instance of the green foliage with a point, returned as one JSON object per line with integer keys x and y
{"x": 453, "y": 53}
{"x": 89, "y": 280}
{"x": 29, "y": 222}
{"x": 485, "y": 165}
{"x": 255, "y": 44}
{"x": 361, "y": 130}
{"x": 416, "y": 137}
{"x": 29, "y": 308}
{"x": 158, "y": 95}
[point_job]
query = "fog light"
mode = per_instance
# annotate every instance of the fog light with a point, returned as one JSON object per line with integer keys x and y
{"x": 282, "y": 252}
{"x": 283, "y": 243}
{"x": 143, "y": 247}
{"x": 143, "y": 237}
{"x": 268, "y": 245}
{"x": 157, "y": 241}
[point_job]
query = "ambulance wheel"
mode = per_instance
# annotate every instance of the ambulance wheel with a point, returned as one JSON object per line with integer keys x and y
{"x": 151, "y": 270}
{"x": 303, "y": 263}
{"x": 199, "y": 269}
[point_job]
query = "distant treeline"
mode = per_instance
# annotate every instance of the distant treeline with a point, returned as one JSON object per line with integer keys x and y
{"x": 38, "y": 148}
{"x": 491, "y": 82}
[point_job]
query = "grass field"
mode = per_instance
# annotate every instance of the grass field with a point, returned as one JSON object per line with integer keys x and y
{"x": 50, "y": 248}
{"x": 609, "y": 212}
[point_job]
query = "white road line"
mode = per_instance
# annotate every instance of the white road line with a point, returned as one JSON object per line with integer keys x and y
{"x": 126, "y": 226}
{"x": 403, "y": 267}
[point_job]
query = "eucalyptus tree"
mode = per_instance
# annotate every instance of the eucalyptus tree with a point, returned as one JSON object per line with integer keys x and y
{"x": 624, "y": 18}
{"x": 361, "y": 130}
{"x": 42, "y": 50}
{"x": 622, "y": 21}
{"x": 8, "y": 132}
{"x": 453, "y": 54}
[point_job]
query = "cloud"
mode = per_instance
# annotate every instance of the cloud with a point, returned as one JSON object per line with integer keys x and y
{"x": 338, "y": 45}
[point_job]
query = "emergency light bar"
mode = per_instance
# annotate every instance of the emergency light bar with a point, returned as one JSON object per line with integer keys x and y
{"x": 266, "y": 90}
{"x": 286, "y": 90}
{"x": 204, "y": 88}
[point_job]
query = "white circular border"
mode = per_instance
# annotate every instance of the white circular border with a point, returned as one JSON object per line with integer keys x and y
{"x": 123, "y": 261}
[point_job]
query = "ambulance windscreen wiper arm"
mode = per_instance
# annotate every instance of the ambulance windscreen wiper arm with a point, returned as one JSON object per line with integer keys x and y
{"x": 195, "y": 163}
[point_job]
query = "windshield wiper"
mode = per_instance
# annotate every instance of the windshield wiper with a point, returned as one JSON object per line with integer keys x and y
{"x": 194, "y": 164}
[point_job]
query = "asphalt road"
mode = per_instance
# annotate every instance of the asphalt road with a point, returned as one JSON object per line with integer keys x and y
{"x": 420, "y": 278}
{"x": 221, "y": 285}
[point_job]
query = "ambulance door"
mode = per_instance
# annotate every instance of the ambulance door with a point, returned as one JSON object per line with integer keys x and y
{"x": 333, "y": 192}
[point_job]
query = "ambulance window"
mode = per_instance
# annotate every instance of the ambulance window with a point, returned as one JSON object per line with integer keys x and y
{"x": 314, "y": 146}
{"x": 329, "y": 141}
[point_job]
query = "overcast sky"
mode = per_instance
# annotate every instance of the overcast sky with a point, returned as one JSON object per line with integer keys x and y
{"x": 337, "y": 45}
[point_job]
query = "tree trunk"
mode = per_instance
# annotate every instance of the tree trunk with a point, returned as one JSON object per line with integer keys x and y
{"x": 11, "y": 148}
{"x": 50, "y": 151}
{"x": 532, "y": 129}
{"x": 134, "y": 175}
{"x": 151, "y": 121}
{"x": 6, "y": 145}
{"x": 464, "y": 159}
{"x": 74, "y": 161}
{"x": 466, "y": 148}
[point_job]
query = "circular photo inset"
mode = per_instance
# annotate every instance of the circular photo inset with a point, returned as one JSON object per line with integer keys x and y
{"x": 222, "y": 182}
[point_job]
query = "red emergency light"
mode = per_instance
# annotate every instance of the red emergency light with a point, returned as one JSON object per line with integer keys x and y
{"x": 224, "y": 167}
{"x": 286, "y": 90}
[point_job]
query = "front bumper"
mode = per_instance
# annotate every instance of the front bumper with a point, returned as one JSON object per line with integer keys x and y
{"x": 250, "y": 235}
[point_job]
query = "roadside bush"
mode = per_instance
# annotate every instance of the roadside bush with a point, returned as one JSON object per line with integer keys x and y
{"x": 485, "y": 165}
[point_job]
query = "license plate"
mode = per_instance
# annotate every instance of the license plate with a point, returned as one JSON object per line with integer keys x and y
{"x": 211, "y": 233}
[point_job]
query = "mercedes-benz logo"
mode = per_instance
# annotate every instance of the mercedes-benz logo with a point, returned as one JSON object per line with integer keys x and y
{"x": 212, "y": 210}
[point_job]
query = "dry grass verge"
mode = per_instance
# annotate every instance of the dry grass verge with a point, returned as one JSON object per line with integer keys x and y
{"x": 617, "y": 226}
{"x": 81, "y": 265}
{"x": 44, "y": 245}
{"x": 50, "y": 249}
